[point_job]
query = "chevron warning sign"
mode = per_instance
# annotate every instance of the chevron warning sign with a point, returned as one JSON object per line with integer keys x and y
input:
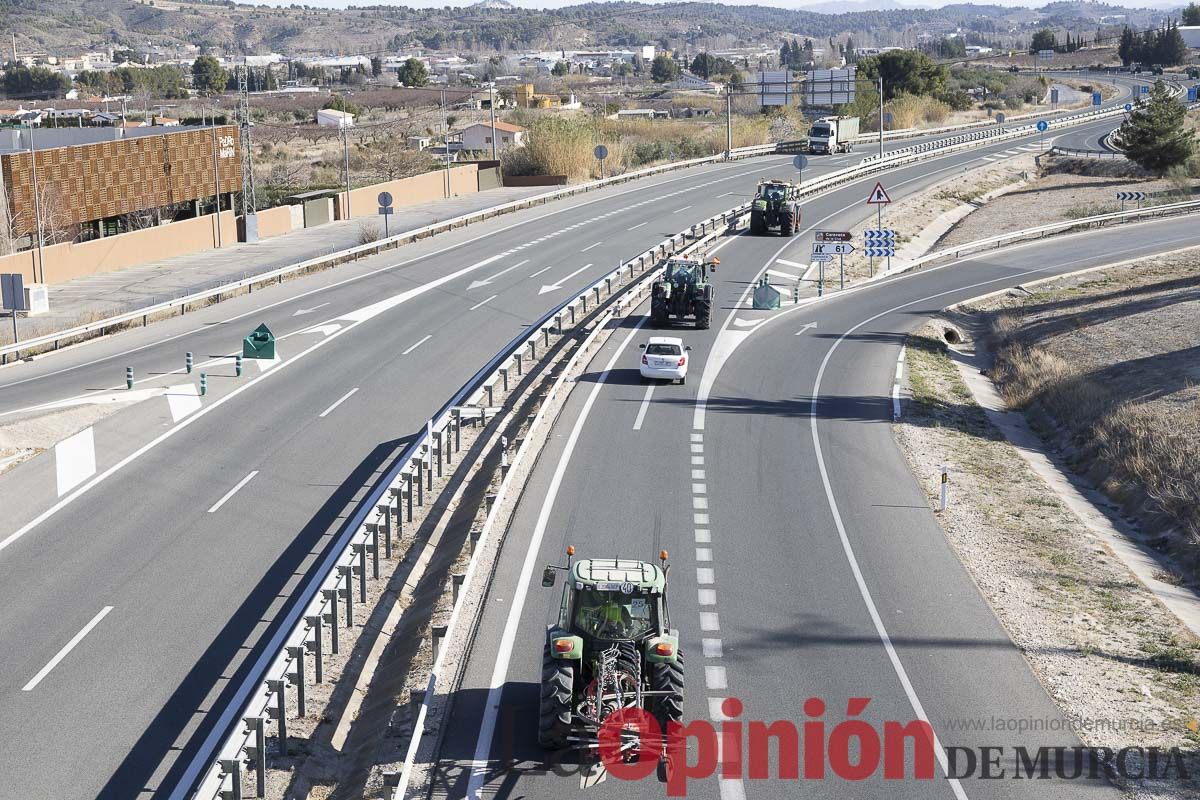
{"x": 879, "y": 196}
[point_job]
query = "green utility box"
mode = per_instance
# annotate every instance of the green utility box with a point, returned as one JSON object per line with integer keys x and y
{"x": 260, "y": 344}
{"x": 766, "y": 296}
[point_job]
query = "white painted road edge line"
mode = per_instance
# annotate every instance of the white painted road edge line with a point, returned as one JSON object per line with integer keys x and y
{"x": 337, "y": 403}
{"x": 487, "y": 728}
{"x": 428, "y": 336}
{"x": 641, "y": 415}
{"x": 67, "y": 648}
{"x": 232, "y": 492}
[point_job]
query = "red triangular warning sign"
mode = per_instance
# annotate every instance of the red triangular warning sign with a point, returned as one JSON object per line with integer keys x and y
{"x": 879, "y": 195}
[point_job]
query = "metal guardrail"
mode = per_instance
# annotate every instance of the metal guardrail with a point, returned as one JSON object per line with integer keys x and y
{"x": 353, "y": 253}
{"x": 282, "y": 660}
{"x": 262, "y": 696}
{"x": 1072, "y": 152}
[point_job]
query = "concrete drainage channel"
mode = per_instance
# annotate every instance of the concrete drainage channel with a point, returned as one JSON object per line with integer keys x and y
{"x": 396, "y": 563}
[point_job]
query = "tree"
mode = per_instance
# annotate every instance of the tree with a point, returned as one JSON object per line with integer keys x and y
{"x": 1154, "y": 136}
{"x": 1127, "y": 49}
{"x": 208, "y": 77}
{"x": 704, "y": 65}
{"x": 560, "y": 69}
{"x": 376, "y": 66}
{"x": 904, "y": 72}
{"x": 123, "y": 55}
{"x": 1170, "y": 50}
{"x": 1043, "y": 40}
{"x": 413, "y": 73}
{"x": 664, "y": 69}
{"x": 23, "y": 81}
{"x": 339, "y": 103}
{"x": 736, "y": 81}
{"x": 1191, "y": 14}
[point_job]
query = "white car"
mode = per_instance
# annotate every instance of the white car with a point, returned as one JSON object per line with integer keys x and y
{"x": 664, "y": 358}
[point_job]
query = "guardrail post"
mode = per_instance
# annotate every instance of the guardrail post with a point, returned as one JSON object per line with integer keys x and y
{"x": 415, "y": 698}
{"x": 504, "y": 377}
{"x": 373, "y": 546}
{"x": 456, "y": 415}
{"x": 408, "y": 494}
{"x": 491, "y": 400}
{"x": 456, "y": 582}
{"x": 429, "y": 468}
{"x": 259, "y": 753}
{"x": 418, "y": 478}
{"x": 596, "y": 291}
{"x": 332, "y": 617}
{"x": 583, "y": 299}
{"x": 475, "y": 534}
{"x": 360, "y": 549}
{"x": 279, "y": 712}
{"x": 233, "y": 768}
{"x": 558, "y": 323}
{"x": 347, "y": 573}
{"x": 439, "y": 635}
{"x": 297, "y": 654}
{"x": 438, "y": 451}
{"x": 571, "y": 308}
{"x": 317, "y": 646}
{"x": 519, "y": 361}
{"x": 533, "y": 345}
{"x": 607, "y": 286}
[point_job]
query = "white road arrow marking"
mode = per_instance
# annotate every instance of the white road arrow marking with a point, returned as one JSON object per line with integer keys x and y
{"x": 304, "y": 311}
{"x": 745, "y": 323}
{"x": 806, "y": 327}
{"x": 563, "y": 280}
{"x": 490, "y": 278}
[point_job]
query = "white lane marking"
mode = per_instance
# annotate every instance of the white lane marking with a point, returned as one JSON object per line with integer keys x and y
{"x": 301, "y": 312}
{"x": 785, "y": 275}
{"x": 714, "y": 678}
{"x": 551, "y": 287}
{"x": 75, "y": 460}
{"x": 703, "y": 554}
{"x": 67, "y": 648}
{"x": 704, "y": 576}
{"x": 640, "y": 224}
{"x": 792, "y": 264}
{"x": 697, "y": 448}
{"x": 732, "y": 789}
{"x": 700, "y": 503}
{"x": 703, "y": 535}
{"x": 699, "y": 488}
{"x": 494, "y": 275}
{"x": 232, "y": 492}
{"x": 712, "y": 648}
{"x": 487, "y": 728}
{"x": 641, "y": 415}
{"x": 182, "y": 400}
{"x": 700, "y": 519}
{"x": 697, "y": 474}
{"x": 899, "y": 371}
{"x": 428, "y": 336}
{"x": 676, "y": 211}
{"x": 714, "y": 710}
{"x": 483, "y": 302}
{"x": 698, "y": 461}
{"x": 337, "y": 403}
{"x": 709, "y": 621}
{"x": 697, "y": 437}
{"x": 863, "y": 591}
{"x": 707, "y": 597}
{"x": 540, "y": 271}
{"x": 591, "y": 247}
{"x": 895, "y": 402}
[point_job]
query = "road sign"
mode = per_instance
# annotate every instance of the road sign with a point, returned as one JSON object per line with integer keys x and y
{"x": 1128, "y": 107}
{"x": 1043, "y": 125}
{"x": 833, "y": 248}
{"x": 880, "y": 252}
{"x": 1000, "y": 119}
{"x": 877, "y": 236}
{"x": 773, "y": 88}
{"x": 821, "y": 258}
{"x": 12, "y": 292}
{"x": 601, "y": 152}
{"x": 1054, "y": 96}
{"x": 385, "y": 210}
{"x": 1193, "y": 91}
{"x": 1143, "y": 90}
{"x": 1045, "y": 55}
{"x": 1097, "y": 99}
{"x": 887, "y": 118}
{"x": 800, "y": 162}
{"x": 879, "y": 196}
{"x": 833, "y": 236}
{"x": 385, "y": 198}
{"x": 1123, "y": 196}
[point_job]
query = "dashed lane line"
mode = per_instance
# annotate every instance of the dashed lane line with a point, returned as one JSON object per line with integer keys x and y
{"x": 217, "y": 505}
{"x": 67, "y": 648}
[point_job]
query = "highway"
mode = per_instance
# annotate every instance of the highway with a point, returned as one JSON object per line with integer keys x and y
{"x": 806, "y": 561}
{"x": 139, "y": 590}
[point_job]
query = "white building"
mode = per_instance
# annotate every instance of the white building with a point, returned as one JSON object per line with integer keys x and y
{"x": 694, "y": 83}
{"x": 1191, "y": 35}
{"x": 479, "y": 136}
{"x": 332, "y": 118}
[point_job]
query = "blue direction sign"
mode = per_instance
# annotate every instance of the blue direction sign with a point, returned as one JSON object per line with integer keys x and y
{"x": 1129, "y": 106}
{"x": 1143, "y": 90}
{"x": 1192, "y": 92}
{"x": 1097, "y": 99}
{"x": 1043, "y": 125}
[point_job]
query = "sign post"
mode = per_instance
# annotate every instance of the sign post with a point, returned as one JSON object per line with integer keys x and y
{"x": 1097, "y": 98}
{"x": 1042, "y": 126}
{"x": 879, "y": 198}
{"x": 800, "y": 162}
{"x": 385, "y": 209}
{"x": 837, "y": 236}
{"x": 601, "y": 153}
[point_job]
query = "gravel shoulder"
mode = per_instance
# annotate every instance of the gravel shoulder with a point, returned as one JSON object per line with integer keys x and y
{"x": 1123, "y": 669}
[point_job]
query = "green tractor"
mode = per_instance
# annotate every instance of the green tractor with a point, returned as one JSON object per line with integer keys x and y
{"x": 611, "y": 649}
{"x": 775, "y": 206}
{"x": 683, "y": 291}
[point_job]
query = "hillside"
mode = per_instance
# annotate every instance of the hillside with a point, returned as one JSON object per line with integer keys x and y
{"x": 493, "y": 25}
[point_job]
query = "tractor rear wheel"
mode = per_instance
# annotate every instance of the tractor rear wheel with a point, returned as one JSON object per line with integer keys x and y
{"x": 787, "y": 225}
{"x": 704, "y": 309}
{"x": 668, "y": 678}
{"x": 756, "y": 223}
{"x": 555, "y": 707}
{"x": 658, "y": 311}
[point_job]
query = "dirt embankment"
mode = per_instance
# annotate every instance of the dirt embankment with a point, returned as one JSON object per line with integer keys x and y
{"x": 1106, "y": 366}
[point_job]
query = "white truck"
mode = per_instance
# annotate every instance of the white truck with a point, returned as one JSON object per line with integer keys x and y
{"x": 833, "y": 135}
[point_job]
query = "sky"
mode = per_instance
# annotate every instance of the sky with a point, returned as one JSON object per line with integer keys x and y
{"x": 846, "y": 5}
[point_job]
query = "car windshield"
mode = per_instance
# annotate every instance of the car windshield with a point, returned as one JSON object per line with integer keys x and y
{"x": 662, "y": 350}
{"x": 773, "y": 192}
{"x": 819, "y": 130}
{"x": 613, "y": 615}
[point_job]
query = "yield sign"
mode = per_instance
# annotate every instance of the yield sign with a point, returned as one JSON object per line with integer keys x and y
{"x": 879, "y": 196}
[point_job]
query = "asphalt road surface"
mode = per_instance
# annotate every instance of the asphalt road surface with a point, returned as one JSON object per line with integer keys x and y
{"x": 806, "y": 561}
{"x": 135, "y": 595}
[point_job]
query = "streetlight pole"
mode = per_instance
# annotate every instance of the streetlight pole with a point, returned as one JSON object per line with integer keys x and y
{"x": 37, "y": 207}
{"x": 728, "y": 122}
{"x": 881, "y": 116}
{"x": 216, "y": 179}
{"x": 492, "y": 104}
{"x": 446, "y": 142}
{"x": 346, "y": 158}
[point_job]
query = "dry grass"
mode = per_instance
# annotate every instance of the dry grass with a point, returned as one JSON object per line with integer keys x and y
{"x": 912, "y": 111}
{"x": 1106, "y": 366}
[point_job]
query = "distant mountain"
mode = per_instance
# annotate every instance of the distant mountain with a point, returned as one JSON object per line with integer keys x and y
{"x": 501, "y": 5}
{"x": 851, "y": 6}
